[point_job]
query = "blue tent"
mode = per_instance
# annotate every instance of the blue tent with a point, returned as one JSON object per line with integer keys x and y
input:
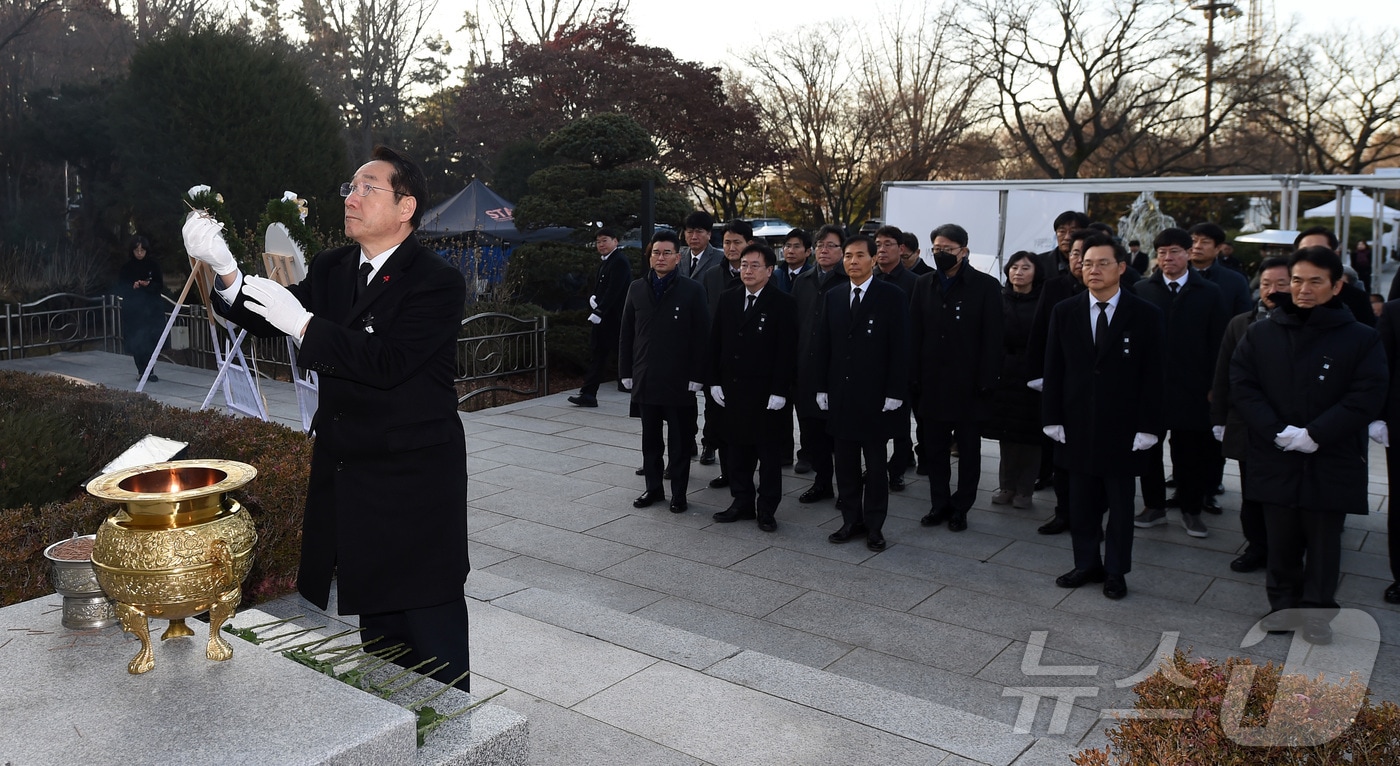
{"x": 477, "y": 210}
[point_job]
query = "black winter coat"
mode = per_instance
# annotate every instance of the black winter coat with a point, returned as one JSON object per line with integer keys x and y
{"x": 809, "y": 291}
{"x": 663, "y": 342}
{"x": 1015, "y": 408}
{"x": 752, "y": 357}
{"x": 862, "y": 358}
{"x": 1195, "y": 324}
{"x": 956, "y": 340}
{"x": 1322, "y": 371}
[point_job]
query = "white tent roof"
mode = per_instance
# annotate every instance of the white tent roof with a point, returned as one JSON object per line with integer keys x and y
{"x": 1188, "y": 184}
{"x": 1361, "y": 207}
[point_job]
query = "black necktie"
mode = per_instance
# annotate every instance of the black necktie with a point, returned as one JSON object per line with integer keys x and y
{"x": 750, "y": 305}
{"x": 855, "y": 300}
{"x": 694, "y": 261}
{"x": 365, "y": 270}
{"x": 1101, "y": 326}
{"x": 1174, "y": 287}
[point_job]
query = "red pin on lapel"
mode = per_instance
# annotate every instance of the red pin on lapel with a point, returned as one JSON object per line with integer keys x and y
{"x": 386, "y": 279}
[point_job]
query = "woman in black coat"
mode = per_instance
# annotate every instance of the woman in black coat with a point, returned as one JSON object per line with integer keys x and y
{"x": 140, "y": 286}
{"x": 1016, "y": 409}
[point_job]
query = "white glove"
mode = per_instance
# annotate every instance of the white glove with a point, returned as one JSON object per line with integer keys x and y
{"x": 204, "y": 241}
{"x": 593, "y": 301}
{"x": 695, "y": 388}
{"x": 1303, "y": 443}
{"x": 1036, "y": 385}
{"x": 1284, "y": 439}
{"x": 1218, "y": 432}
{"x": 595, "y": 319}
{"x": 1142, "y": 441}
{"x": 1379, "y": 433}
{"x": 627, "y": 383}
{"x": 717, "y": 393}
{"x": 776, "y": 402}
{"x": 822, "y": 401}
{"x": 1055, "y": 432}
{"x": 891, "y": 405}
{"x": 276, "y": 304}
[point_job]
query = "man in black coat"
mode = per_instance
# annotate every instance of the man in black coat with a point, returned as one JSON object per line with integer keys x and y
{"x": 796, "y": 260}
{"x": 737, "y": 235}
{"x": 810, "y": 291}
{"x": 1195, "y": 315}
{"x": 862, "y": 363}
{"x": 752, "y": 361}
{"x": 386, "y": 509}
{"x": 1389, "y": 326}
{"x": 1308, "y": 381}
{"x": 661, "y": 359}
{"x": 1354, "y": 298}
{"x": 909, "y": 254}
{"x": 1102, "y": 406}
{"x": 1207, "y": 243}
{"x": 956, "y": 336}
{"x": 889, "y": 267}
{"x": 609, "y": 293}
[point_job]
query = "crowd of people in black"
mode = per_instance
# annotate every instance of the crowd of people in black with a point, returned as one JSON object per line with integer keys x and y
{"x": 1085, "y": 362}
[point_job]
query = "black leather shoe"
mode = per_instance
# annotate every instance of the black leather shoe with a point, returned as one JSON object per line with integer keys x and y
{"x": 1249, "y": 562}
{"x": 1317, "y": 631}
{"x": 957, "y": 522}
{"x": 648, "y": 498}
{"x": 767, "y": 524}
{"x": 1210, "y": 506}
{"x": 1115, "y": 587}
{"x": 641, "y": 471}
{"x": 1392, "y": 594}
{"x": 897, "y": 484}
{"x": 1054, "y": 526}
{"x": 1173, "y": 501}
{"x": 1077, "y": 577}
{"x": 936, "y": 516}
{"x": 816, "y": 493}
{"x": 875, "y": 542}
{"x": 1042, "y": 483}
{"x": 584, "y": 401}
{"x": 1170, "y": 483}
{"x": 153, "y": 378}
{"x": 734, "y": 513}
{"x": 679, "y": 505}
{"x": 1219, "y": 490}
{"x": 846, "y": 533}
{"x": 719, "y": 482}
{"x": 802, "y": 467}
{"x": 707, "y": 456}
{"x": 921, "y": 469}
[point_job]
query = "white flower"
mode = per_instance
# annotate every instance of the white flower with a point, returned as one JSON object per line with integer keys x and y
{"x": 196, "y": 190}
{"x": 289, "y": 196}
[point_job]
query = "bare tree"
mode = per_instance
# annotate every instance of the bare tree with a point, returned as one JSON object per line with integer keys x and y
{"x": 1341, "y": 109}
{"x": 366, "y": 54}
{"x": 19, "y": 17}
{"x": 544, "y": 18}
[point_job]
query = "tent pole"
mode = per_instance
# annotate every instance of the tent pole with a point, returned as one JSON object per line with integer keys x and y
{"x": 1283, "y": 206}
{"x": 1344, "y": 231}
{"x": 1002, "y": 197}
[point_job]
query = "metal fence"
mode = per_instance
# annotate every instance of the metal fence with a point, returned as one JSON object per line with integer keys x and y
{"x": 495, "y": 352}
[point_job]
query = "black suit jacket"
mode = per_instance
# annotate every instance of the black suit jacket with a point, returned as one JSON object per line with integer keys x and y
{"x": 753, "y": 355}
{"x": 783, "y": 278}
{"x": 663, "y": 341}
{"x": 610, "y": 288}
{"x": 386, "y": 509}
{"x": 1196, "y": 322}
{"x": 1104, "y": 396}
{"x": 861, "y": 359}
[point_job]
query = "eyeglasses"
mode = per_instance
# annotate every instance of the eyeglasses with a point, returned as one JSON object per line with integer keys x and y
{"x": 947, "y": 250}
{"x": 828, "y": 246}
{"x": 347, "y": 189}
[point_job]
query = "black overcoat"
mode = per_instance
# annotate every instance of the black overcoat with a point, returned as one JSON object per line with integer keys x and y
{"x": 861, "y": 359}
{"x": 753, "y": 356}
{"x": 809, "y": 291}
{"x": 1327, "y": 375}
{"x": 956, "y": 337}
{"x": 1195, "y": 324}
{"x": 663, "y": 341}
{"x": 386, "y": 510}
{"x": 1104, "y": 397}
{"x": 1015, "y": 415}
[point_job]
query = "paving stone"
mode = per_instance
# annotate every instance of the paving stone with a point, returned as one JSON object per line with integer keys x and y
{"x": 1377, "y": 543}
{"x": 572, "y": 515}
{"x": 658, "y": 535}
{"x": 625, "y": 476}
{"x": 603, "y": 591}
{"x": 1237, "y": 597}
{"x": 598, "y": 419}
{"x": 607, "y": 454}
{"x": 726, "y": 724}
{"x": 970, "y": 544}
{"x": 479, "y": 518}
{"x": 548, "y": 662}
{"x": 707, "y": 584}
{"x": 903, "y": 635}
{"x": 489, "y": 586}
{"x": 749, "y": 632}
{"x": 540, "y": 459}
{"x": 970, "y": 574}
{"x": 1368, "y": 564}
{"x": 562, "y": 737}
{"x": 511, "y": 421}
{"x": 589, "y": 554}
{"x": 483, "y": 555}
{"x": 1144, "y": 578}
{"x": 542, "y": 482}
{"x": 941, "y": 726}
{"x": 1151, "y": 613}
{"x": 599, "y": 436}
{"x": 861, "y": 583}
{"x": 661, "y": 641}
{"x": 510, "y": 437}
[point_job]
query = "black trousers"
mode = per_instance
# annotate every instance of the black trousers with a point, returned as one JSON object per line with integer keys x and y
{"x": 862, "y": 502}
{"x": 1392, "y": 525}
{"x": 680, "y": 433}
{"x": 1154, "y": 478}
{"x": 1089, "y": 498}
{"x": 1195, "y": 454}
{"x": 767, "y": 457}
{"x": 1305, "y": 557}
{"x": 817, "y": 447}
{"x": 968, "y": 435}
{"x": 602, "y": 349}
{"x": 432, "y": 631}
{"x": 1252, "y": 521}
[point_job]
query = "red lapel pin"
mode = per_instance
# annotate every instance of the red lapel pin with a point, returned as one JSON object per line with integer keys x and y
{"x": 386, "y": 279}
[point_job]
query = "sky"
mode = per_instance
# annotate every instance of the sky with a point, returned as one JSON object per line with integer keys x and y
{"x": 717, "y": 32}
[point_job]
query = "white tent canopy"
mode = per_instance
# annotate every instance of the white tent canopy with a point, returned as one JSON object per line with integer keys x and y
{"x": 1362, "y": 206}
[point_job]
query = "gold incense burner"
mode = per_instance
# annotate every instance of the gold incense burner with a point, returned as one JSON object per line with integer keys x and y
{"x": 178, "y": 547}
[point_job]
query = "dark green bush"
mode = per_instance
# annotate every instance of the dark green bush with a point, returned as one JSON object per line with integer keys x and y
{"x": 554, "y": 275}
{"x": 105, "y": 422}
{"x": 41, "y": 459}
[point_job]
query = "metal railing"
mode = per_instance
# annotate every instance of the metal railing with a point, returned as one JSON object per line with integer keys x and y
{"x": 64, "y": 322}
{"x": 500, "y": 352}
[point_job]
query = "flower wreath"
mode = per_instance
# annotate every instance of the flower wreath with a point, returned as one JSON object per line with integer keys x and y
{"x": 290, "y": 211}
{"x": 203, "y": 199}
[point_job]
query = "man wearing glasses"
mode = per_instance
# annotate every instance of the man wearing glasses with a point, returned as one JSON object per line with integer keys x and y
{"x": 386, "y": 509}
{"x": 1102, "y": 408}
{"x": 809, "y": 291}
